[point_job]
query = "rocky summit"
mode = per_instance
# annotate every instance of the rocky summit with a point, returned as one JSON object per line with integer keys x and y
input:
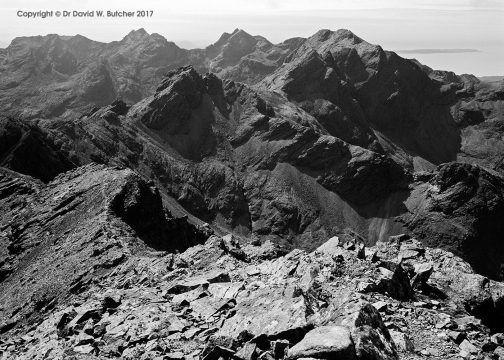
{"x": 321, "y": 198}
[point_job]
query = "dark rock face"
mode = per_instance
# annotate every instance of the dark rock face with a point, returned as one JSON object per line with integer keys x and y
{"x": 477, "y": 109}
{"x": 176, "y": 97}
{"x": 369, "y": 97}
{"x": 141, "y": 207}
{"x": 460, "y": 209}
{"x": 27, "y": 149}
{"x": 322, "y": 90}
{"x": 480, "y": 117}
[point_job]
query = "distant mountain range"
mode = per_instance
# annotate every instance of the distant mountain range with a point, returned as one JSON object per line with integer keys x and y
{"x": 62, "y": 72}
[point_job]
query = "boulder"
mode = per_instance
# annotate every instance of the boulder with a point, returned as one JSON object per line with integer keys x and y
{"x": 371, "y": 338}
{"x": 390, "y": 279}
{"x": 325, "y": 342}
{"x": 410, "y": 251}
{"x": 232, "y": 246}
{"x": 468, "y": 347}
{"x": 268, "y": 312}
{"x": 247, "y": 352}
{"x": 331, "y": 247}
{"x": 402, "y": 341}
{"x": 422, "y": 273}
{"x": 204, "y": 280}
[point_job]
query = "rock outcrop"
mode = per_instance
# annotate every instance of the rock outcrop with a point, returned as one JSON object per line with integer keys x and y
{"x": 58, "y": 239}
{"x": 207, "y": 303}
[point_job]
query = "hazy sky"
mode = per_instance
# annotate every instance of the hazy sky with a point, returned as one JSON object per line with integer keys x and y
{"x": 394, "y": 24}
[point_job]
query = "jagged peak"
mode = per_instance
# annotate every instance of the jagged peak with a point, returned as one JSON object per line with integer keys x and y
{"x": 237, "y": 34}
{"x": 141, "y": 31}
{"x": 80, "y": 37}
{"x": 158, "y": 36}
{"x": 180, "y": 92}
{"x": 348, "y": 34}
{"x": 324, "y": 35}
{"x": 240, "y": 34}
{"x": 184, "y": 72}
{"x": 136, "y": 34}
{"x": 155, "y": 37}
{"x": 223, "y": 38}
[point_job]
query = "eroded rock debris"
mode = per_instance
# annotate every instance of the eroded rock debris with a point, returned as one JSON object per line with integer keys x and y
{"x": 108, "y": 295}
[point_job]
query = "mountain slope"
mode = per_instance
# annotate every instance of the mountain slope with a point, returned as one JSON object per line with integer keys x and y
{"x": 359, "y": 92}
{"x": 370, "y": 97}
{"x": 252, "y": 162}
{"x": 224, "y": 151}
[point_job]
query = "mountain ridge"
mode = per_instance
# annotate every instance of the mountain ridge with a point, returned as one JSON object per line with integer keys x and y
{"x": 247, "y": 200}
{"x": 380, "y": 105}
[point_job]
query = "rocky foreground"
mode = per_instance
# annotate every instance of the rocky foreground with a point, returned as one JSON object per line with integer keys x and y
{"x": 83, "y": 281}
